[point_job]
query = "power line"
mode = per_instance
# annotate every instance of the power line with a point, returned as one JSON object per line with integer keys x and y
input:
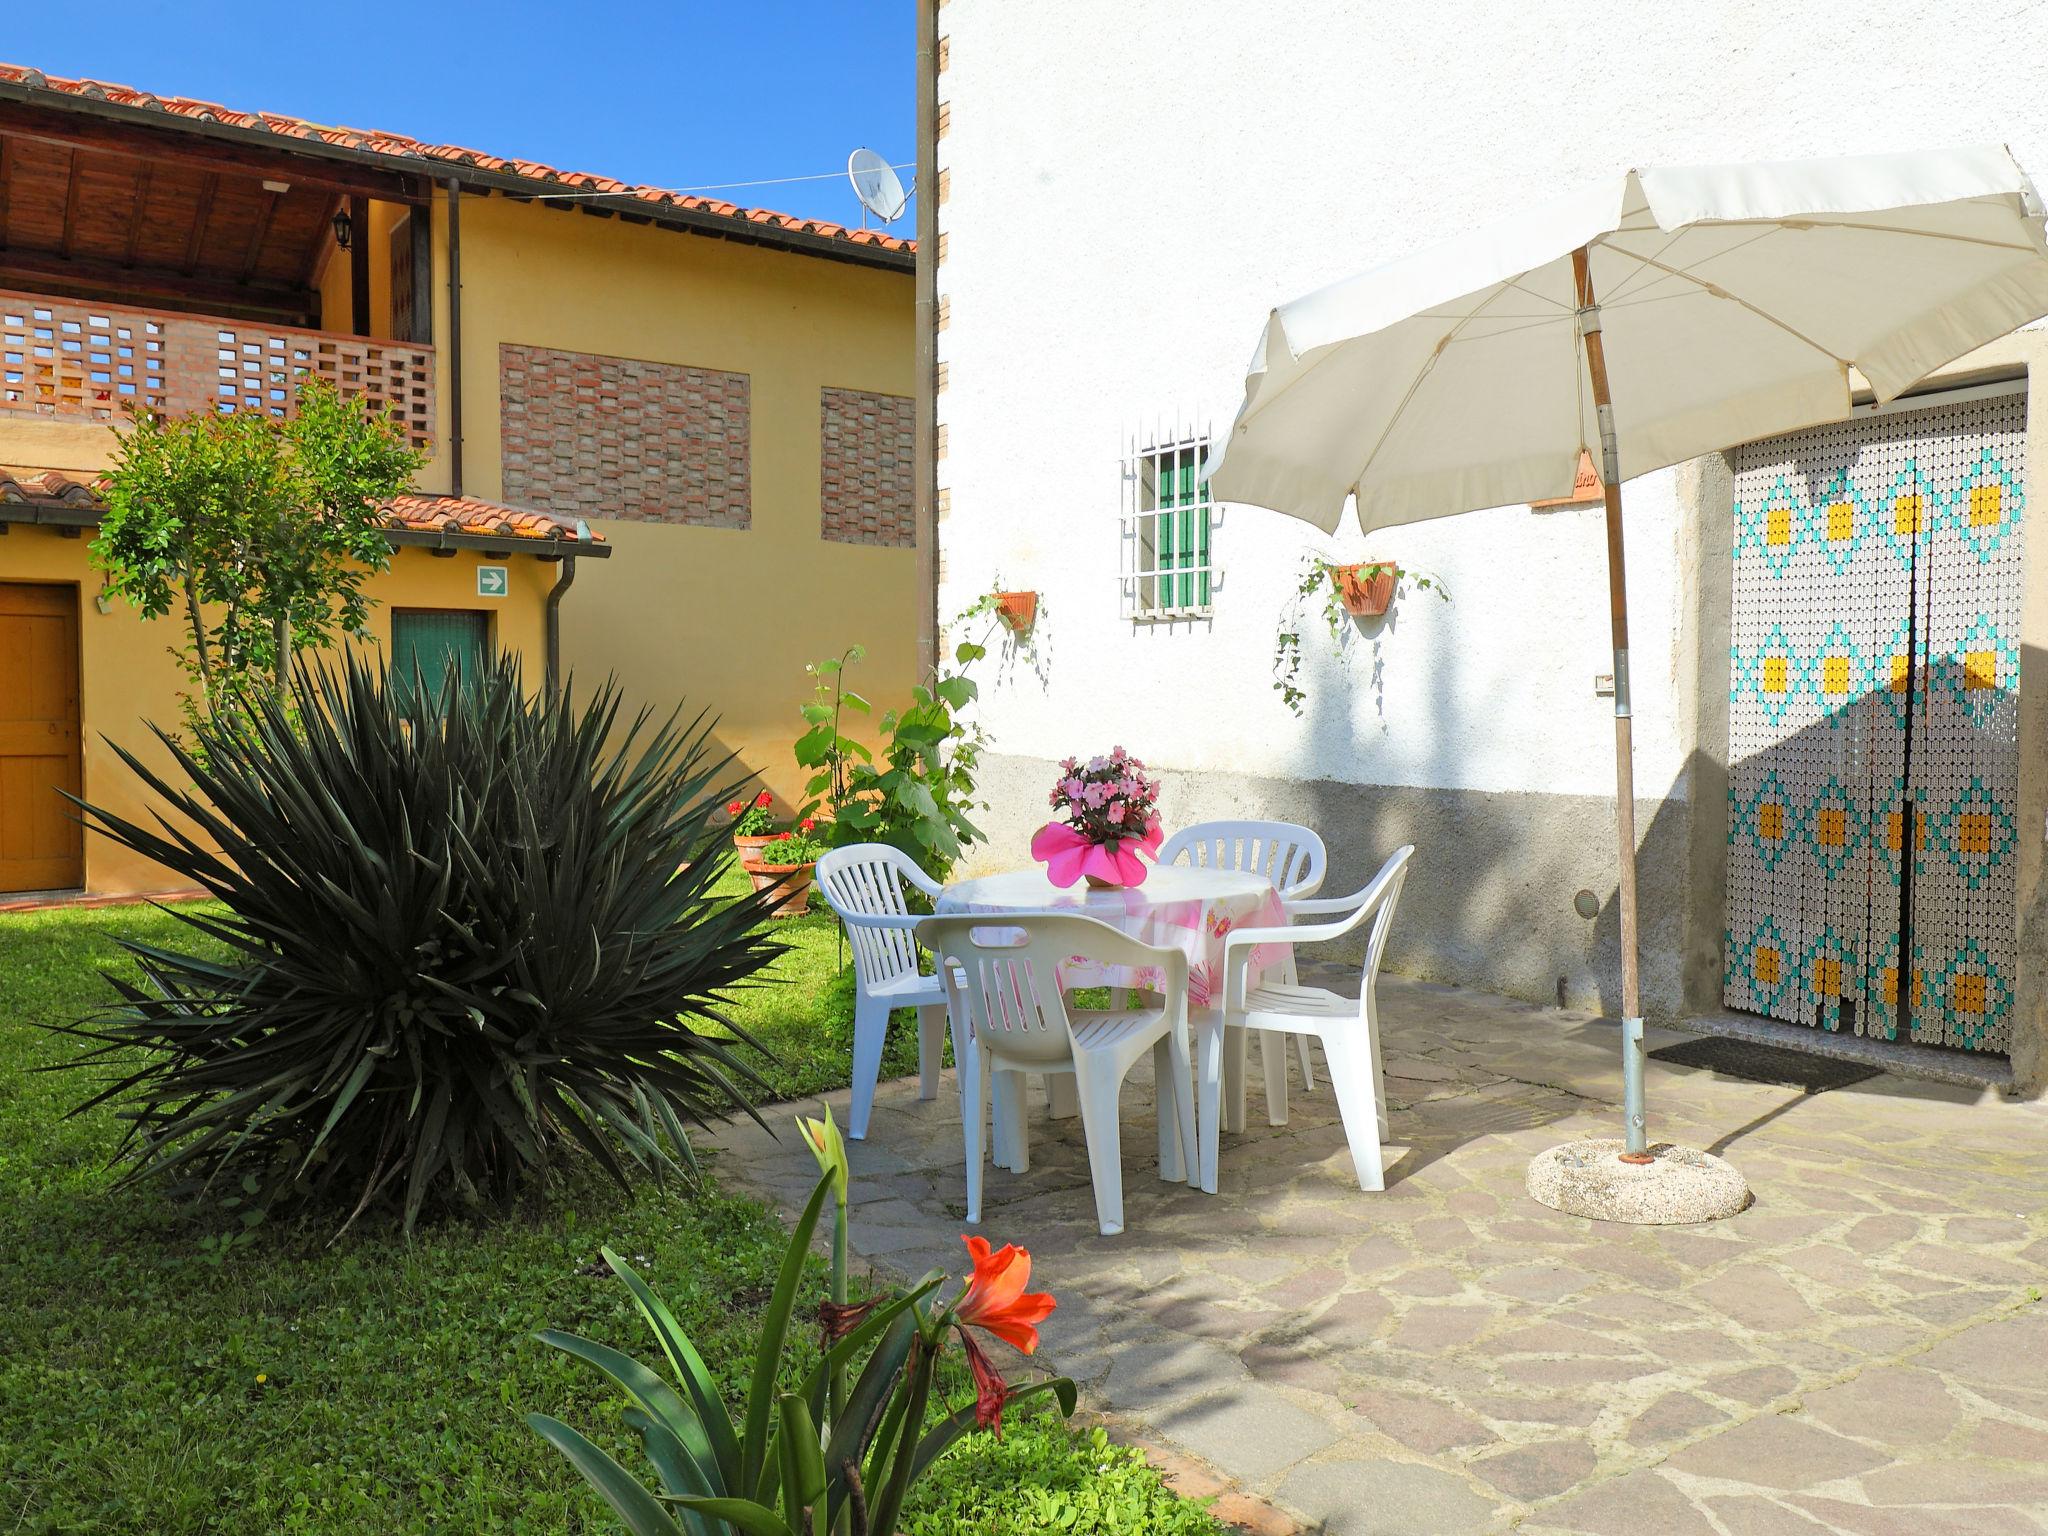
{"x": 723, "y": 186}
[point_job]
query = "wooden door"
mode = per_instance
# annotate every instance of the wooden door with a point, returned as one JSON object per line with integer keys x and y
{"x": 42, "y": 846}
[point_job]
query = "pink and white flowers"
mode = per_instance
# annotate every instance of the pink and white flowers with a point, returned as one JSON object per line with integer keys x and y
{"x": 1107, "y": 799}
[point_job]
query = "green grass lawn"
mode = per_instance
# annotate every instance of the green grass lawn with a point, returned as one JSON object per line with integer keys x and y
{"x": 150, "y": 1383}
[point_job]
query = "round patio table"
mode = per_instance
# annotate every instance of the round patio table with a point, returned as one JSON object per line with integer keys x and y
{"x": 1178, "y": 906}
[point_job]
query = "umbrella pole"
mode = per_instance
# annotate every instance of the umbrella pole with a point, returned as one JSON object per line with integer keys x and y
{"x": 1636, "y": 1131}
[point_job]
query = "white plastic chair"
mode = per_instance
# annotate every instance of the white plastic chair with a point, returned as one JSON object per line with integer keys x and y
{"x": 1294, "y": 860}
{"x": 864, "y": 885}
{"x": 1010, "y": 1017}
{"x": 1347, "y": 1026}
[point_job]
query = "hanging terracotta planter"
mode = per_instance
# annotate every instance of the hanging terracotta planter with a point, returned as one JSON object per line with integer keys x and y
{"x": 1367, "y": 589}
{"x": 1017, "y": 610}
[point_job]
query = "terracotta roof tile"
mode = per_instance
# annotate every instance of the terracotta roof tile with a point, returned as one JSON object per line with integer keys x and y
{"x": 471, "y": 514}
{"x": 398, "y": 145}
{"x": 417, "y": 512}
{"x": 49, "y": 485}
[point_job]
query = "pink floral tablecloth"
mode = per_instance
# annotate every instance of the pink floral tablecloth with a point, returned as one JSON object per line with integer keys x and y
{"x": 1188, "y": 909}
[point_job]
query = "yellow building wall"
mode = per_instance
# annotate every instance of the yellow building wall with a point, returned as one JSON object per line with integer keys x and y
{"x": 128, "y": 679}
{"x": 713, "y": 618}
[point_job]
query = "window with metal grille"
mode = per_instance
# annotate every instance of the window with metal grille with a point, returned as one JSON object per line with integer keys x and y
{"x": 1168, "y": 522}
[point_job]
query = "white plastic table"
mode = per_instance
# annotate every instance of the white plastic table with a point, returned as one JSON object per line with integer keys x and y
{"x": 1178, "y": 906}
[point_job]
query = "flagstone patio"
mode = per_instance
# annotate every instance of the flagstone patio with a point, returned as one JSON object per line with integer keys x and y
{"x": 1863, "y": 1350}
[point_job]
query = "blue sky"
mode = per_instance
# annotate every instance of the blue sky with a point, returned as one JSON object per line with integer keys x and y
{"x": 681, "y": 94}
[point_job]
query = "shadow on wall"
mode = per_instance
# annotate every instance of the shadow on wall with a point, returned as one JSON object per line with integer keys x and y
{"x": 1488, "y": 902}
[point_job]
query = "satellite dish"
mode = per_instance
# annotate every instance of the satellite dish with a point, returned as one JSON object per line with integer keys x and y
{"x": 876, "y": 184}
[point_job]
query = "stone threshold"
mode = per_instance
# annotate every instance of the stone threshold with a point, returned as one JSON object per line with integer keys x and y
{"x": 1960, "y": 1068}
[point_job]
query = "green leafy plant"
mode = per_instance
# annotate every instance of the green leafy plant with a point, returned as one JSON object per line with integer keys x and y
{"x": 809, "y": 1461}
{"x": 919, "y": 797}
{"x": 800, "y": 845}
{"x": 1320, "y": 576}
{"x": 468, "y": 928}
{"x": 1026, "y": 1485}
{"x": 260, "y": 532}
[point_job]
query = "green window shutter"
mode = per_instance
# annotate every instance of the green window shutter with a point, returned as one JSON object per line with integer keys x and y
{"x": 1173, "y": 519}
{"x": 434, "y": 640}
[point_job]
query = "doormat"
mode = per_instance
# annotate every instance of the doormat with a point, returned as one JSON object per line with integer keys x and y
{"x": 1773, "y": 1064}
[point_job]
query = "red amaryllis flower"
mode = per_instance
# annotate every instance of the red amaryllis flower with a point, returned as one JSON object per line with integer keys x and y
{"x": 991, "y": 1392}
{"x": 995, "y": 1297}
{"x": 764, "y": 799}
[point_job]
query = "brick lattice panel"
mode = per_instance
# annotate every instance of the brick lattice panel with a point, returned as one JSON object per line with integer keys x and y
{"x": 88, "y": 362}
{"x": 587, "y": 435}
{"x": 865, "y": 467}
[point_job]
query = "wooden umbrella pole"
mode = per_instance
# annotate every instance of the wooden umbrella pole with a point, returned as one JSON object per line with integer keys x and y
{"x": 1636, "y": 1128}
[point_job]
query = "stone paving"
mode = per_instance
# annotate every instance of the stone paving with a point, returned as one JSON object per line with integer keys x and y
{"x": 1863, "y": 1350}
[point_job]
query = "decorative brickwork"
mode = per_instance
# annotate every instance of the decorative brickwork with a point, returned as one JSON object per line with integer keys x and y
{"x": 865, "y": 458}
{"x": 593, "y": 436}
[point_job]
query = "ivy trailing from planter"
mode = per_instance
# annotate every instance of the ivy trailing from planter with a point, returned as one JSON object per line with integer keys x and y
{"x": 1368, "y": 587}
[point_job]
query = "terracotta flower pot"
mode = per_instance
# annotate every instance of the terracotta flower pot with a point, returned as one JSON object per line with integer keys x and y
{"x": 1017, "y": 610}
{"x": 1097, "y": 883}
{"x": 794, "y": 896}
{"x": 750, "y": 847}
{"x": 1367, "y": 589}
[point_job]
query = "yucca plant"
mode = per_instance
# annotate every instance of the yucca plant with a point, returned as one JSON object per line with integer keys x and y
{"x": 468, "y": 927}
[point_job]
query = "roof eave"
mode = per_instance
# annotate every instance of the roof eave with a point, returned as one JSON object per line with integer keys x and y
{"x": 498, "y": 544}
{"x": 36, "y": 512}
{"x": 689, "y": 219}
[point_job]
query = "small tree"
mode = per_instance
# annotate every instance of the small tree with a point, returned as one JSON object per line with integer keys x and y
{"x": 260, "y": 532}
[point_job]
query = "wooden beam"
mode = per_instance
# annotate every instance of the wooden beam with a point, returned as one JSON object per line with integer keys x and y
{"x": 316, "y": 248}
{"x": 422, "y": 221}
{"x": 115, "y": 281}
{"x": 262, "y": 232}
{"x": 207, "y": 189}
{"x": 359, "y": 266}
{"x": 3, "y": 193}
{"x": 145, "y": 173}
{"x": 70, "y": 205}
{"x": 167, "y": 145}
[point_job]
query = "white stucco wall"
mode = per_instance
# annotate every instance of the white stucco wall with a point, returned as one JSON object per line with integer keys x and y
{"x": 1132, "y": 186}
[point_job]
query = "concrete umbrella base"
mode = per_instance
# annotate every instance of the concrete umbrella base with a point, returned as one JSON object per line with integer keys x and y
{"x": 1679, "y": 1184}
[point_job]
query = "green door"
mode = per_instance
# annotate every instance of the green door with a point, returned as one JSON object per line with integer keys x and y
{"x": 435, "y": 639}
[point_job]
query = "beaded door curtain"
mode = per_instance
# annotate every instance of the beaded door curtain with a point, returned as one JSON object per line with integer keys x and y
{"x": 1873, "y": 724}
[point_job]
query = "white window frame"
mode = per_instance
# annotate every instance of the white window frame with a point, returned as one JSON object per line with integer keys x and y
{"x": 1155, "y": 592}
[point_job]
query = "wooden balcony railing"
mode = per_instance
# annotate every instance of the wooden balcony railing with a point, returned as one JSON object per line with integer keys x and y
{"x": 73, "y": 361}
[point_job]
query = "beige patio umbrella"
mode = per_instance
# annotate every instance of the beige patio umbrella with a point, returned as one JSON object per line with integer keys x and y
{"x": 1664, "y": 315}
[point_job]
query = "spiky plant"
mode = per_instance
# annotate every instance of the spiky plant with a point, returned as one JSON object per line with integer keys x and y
{"x": 467, "y": 927}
